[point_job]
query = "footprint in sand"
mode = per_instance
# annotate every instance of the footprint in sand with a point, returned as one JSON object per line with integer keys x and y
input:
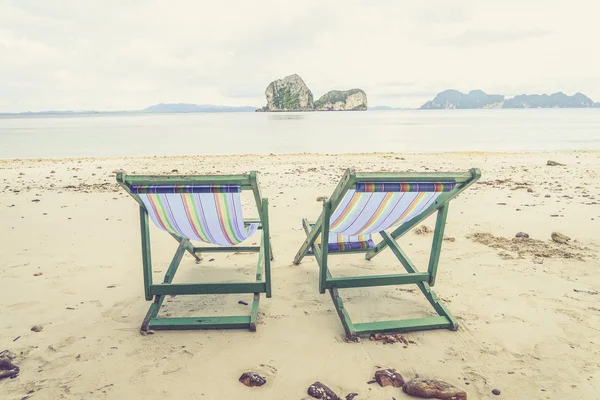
{"x": 22, "y": 305}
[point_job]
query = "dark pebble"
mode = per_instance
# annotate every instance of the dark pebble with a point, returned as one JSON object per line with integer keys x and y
{"x": 496, "y": 392}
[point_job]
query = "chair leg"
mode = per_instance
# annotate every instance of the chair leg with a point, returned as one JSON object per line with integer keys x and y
{"x": 188, "y": 246}
{"x": 152, "y": 322}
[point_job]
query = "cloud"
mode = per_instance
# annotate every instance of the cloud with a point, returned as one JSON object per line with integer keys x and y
{"x": 112, "y": 54}
{"x": 482, "y": 37}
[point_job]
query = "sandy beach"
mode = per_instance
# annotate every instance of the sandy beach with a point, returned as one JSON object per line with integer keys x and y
{"x": 529, "y": 311}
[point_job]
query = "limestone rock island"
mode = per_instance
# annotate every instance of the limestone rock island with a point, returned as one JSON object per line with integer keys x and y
{"x": 292, "y": 94}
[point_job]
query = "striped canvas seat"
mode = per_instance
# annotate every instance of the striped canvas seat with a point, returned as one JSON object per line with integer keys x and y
{"x": 338, "y": 243}
{"x": 375, "y": 207}
{"x": 207, "y": 213}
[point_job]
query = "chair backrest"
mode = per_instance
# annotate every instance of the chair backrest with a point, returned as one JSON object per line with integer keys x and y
{"x": 208, "y": 213}
{"x": 206, "y": 208}
{"x": 370, "y": 207}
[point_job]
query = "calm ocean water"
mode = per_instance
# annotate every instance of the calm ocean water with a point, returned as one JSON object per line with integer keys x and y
{"x": 323, "y": 132}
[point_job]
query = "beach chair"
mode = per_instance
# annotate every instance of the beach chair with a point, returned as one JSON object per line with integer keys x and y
{"x": 206, "y": 209}
{"x": 367, "y": 203}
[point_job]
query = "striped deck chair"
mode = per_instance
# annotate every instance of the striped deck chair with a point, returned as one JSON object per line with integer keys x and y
{"x": 367, "y": 203}
{"x": 206, "y": 209}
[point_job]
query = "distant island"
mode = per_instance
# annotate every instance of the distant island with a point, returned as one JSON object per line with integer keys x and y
{"x": 292, "y": 94}
{"x": 453, "y": 99}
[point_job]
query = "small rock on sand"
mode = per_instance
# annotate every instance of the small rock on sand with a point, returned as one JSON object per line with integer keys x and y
{"x": 496, "y": 392}
{"x": 252, "y": 379}
{"x": 37, "y": 328}
{"x": 522, "y": 235}
{"x": 320, "y": 391}
{"x": 433, "y": 389}
{"x": 553, "y": 163}
{"x": 560, "y": 238}
{"x": 7, "y": 368}
{"x": 322, "y": 198}
{"x": 389, "y": 377}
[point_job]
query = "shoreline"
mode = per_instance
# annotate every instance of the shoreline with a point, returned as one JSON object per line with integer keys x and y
{"x": 396, "y": 154}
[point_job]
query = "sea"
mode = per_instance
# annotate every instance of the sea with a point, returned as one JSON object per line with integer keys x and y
{"x": 412, "y": 131}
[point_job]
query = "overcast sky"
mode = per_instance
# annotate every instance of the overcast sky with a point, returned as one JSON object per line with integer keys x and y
{"x": 129, "y": 54}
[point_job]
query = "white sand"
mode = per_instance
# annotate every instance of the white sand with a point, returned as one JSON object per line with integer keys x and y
{"x": 523, "y": 328}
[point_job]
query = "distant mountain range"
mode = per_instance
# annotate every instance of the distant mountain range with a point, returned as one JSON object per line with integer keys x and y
{"x": 448, "y": 99}
{"x": 453, "y": 99}
{"x": 193, "y": 108}
{"x": 155, "y": 109}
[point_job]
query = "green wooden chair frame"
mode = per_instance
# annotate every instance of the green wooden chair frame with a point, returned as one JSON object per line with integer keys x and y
{"x": 424, "y": 280}
{"x": 160, "y": 291}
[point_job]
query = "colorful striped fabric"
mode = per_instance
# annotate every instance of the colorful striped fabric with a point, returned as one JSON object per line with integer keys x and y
{"x": 371, "y": 210}
{"x": 405, "y": 187}
{"x": 184, "y": 189}
{"x": 345, "y": 243}
{"x": 210, "y": 214}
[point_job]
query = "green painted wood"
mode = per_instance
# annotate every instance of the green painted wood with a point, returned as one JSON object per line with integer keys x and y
{"x": 253, "y": 176}
{"x": 436, "y": 246}
{"x": 146, "y": 254}
{"x": 235, "y": 249}
{"x": 120, "y": 180}
{"x": 229, "y": 322}
{"x": 424, "y": 287}
{"x": 208, "y": 288}
{"x": 256, "y": 298}
{"x": 338, "y": 194}
{"x": 377, "y": 280}
{"x": 342, "y": 313}
{"x": 259, "y": 264}
{"x": 189, "y": 247}
{"x": 152, "y": 312}
{"x": 266, "y": 245}
{"x": 158, "y": 300}
{"x": 309, "y": 241}
{"x": 458, "y": 177}
{"x": 241, "y": 180}
{"x": 170, "y": 274}
{"x": 337, "y": 253}
{"x": 324, "y": 246}
{"x": 335, "y": 296}
{"x": 250, "y": 221}
{"x": 399, "y": 253}
{"x": 404, "y": 325}
{"x": 254, "y": 312}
